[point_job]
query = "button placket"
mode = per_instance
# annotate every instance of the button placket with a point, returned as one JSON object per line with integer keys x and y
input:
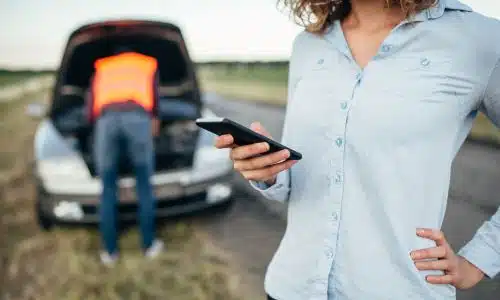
{"x": 338, "y": 138}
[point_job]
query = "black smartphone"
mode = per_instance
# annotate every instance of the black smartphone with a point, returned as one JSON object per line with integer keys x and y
{"x": 242, "y": 135}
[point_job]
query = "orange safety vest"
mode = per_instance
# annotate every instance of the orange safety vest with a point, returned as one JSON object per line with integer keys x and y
{"x": 124, "y": 77}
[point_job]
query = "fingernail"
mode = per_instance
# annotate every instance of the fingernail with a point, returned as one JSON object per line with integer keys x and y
{"x": 286, "y": 153}
{"x": 264, "y": 146}
{"x": 420, "y": 230}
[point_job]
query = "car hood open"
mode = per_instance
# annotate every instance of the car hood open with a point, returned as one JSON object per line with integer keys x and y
{"x": 85, "y": 45}
{"x": 180, "y": 100}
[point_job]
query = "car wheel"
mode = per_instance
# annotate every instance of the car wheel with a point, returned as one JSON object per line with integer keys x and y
{"x": 44, "y": 222}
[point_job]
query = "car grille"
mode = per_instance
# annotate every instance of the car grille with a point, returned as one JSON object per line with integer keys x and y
{"x": 127, "y": 208}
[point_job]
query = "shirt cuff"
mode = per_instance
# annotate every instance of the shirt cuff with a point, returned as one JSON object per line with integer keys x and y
{"x": 482, "y": 256}
{"x": 278, "y": 191}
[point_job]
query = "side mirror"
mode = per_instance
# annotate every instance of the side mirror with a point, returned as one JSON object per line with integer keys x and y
{"x": 36, "y": 110}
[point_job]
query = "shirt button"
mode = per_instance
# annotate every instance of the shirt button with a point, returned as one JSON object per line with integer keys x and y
{"x": 339, "y": 142}
{"x": 338, "y": 178}
{"x": 358, "y": 76}
{"x": 386, "y": 48}
{"x": 335, "y": 217}
{"x": 343, "y": 105}
{"x": 329, "y": 254}
{"x": 321, "y": 61}
{"x": 425, "y": 62}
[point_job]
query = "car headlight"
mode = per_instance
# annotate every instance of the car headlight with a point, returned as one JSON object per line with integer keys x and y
{"x": 69, "y": 168}
{"x": 211, "y": 162}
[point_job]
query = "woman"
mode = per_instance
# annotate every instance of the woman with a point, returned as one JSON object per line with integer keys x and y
{"x": 381, "y": 96}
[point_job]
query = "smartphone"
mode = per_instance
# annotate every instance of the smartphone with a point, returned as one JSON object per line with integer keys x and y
{"x": 242, "y": 135}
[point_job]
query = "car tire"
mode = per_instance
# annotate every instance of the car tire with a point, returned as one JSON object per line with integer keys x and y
{"x": 44, "y": 222}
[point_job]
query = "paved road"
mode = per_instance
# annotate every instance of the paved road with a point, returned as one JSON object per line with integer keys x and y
{"x": 259, "y": 224}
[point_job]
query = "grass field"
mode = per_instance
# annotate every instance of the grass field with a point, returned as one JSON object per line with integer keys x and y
{"x": 10, "y": 77}
{"x": 268, "y": 85}
{"x": 260, "y": 84}
{"x": 64, "y": 265}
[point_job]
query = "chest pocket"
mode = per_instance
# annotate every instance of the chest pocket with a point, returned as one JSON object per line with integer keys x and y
{"x": 417, "y": 78}
{"x": 319, "y": 91}
{"x": 407, "y": 97}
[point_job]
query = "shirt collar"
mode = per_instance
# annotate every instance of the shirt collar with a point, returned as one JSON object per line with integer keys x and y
{"x": 439, "y": 8}
{"x": 335, "y": 35}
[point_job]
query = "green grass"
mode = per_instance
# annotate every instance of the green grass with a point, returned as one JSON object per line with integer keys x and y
{"x": 8, "y": 77}
{"x": 268, "y": 85}
{"x": 262, "y": 84}
{"x": 484, "y": 130}
{"x": 257, "y": 73}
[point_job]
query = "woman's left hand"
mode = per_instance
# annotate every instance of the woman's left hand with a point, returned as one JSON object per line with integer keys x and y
{"x": 457, "y": 270}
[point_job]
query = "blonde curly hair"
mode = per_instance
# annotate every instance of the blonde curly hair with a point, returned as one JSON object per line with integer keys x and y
{"x": 317, "y": 15}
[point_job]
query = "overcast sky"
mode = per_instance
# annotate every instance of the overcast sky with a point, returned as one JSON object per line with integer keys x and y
{"x": 33, "y": 32}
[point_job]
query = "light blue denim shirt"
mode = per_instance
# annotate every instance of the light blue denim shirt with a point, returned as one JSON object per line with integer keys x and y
{"x": 377, "y": 148}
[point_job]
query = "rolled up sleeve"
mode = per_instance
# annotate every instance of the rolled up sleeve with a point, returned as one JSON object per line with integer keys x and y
{"x": 279, "y": 191}
{"x": 483, "y": 250}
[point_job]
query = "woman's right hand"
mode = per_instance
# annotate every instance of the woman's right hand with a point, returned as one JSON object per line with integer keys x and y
{"x": 247, "y": 161}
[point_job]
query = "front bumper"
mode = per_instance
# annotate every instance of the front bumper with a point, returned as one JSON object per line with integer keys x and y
{"x": 173, "y": 199}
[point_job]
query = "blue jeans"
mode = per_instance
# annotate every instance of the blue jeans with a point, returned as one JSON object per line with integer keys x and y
{"x": 127, "y": 133}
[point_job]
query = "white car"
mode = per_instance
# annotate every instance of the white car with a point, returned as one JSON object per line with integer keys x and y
{"x": 190, "y": 173}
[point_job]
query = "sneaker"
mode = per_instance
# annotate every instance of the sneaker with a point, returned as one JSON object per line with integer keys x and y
{"x": 154, "y": 250}
{"x": 107, "y": 259}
